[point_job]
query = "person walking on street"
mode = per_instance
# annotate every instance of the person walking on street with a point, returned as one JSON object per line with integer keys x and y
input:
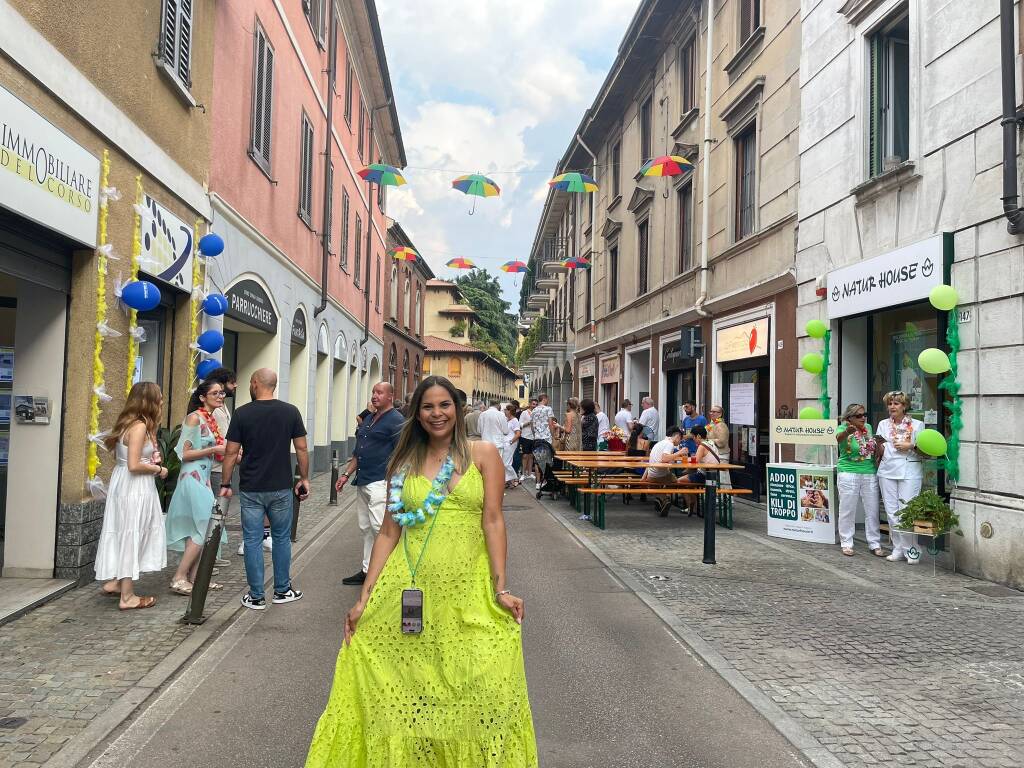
{"x": 132, "y": 540}
{"x": 449, "y": 689}
{"x": 473, "y": 422}
{"x": 511, "y": 446}
{"x": 264, "y": 431}
{"x": 188, "y": 515}
{"x": 526, "y": 439}
{"x": 543, "y": 419}
{"x": 375, "y": 442}
{"x": 493, "y": 425}
{"x": 692, "y": 419}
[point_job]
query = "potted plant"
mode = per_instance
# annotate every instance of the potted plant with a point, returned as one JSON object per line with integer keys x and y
{"x": 928, "y": 513}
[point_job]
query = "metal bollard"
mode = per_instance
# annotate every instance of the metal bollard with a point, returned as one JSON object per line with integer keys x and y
{"x": 201, "y": 586}
{"x": 710, "y": 488}
{"x": 334, "y": 479}
{"x": 295, "y": 504}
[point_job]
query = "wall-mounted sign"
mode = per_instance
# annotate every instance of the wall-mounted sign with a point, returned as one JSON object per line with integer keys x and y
{"x": 587, "y": 369}
{"x": 743, "y": 403}
{"x": 299, "y": 328}
{"x": 32, "y": 409}
{"x": 609, "y": 370}
{"x": 801, "y": 502}
{"x": 167, "y": 245}
{"x": 249, "y": 303}
{"x": 738, "y": 342}
{"x": 804, "y": 431}
{"x": 44, "y": 175}
{"x": 898, "y": 277}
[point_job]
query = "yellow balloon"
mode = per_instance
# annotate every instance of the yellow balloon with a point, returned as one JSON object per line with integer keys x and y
{"x": 944, "y": 297}
{"x": 933, "y": 360}
{"x": 932, "y": 442}
{"x": 812, "y": 362}
{"x": 816, "y": 329}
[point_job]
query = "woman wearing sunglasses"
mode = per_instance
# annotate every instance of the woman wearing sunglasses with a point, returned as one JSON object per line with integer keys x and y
{"x": 859, "y": 452}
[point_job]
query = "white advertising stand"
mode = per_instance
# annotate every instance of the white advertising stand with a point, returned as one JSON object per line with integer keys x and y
{"x": 802, "y": 499}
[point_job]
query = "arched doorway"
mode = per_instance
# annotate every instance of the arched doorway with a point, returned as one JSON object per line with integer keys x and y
{"x": 298, "y": 364}
{"x": 322, "y": 401}
{"x": 340, "y": 397}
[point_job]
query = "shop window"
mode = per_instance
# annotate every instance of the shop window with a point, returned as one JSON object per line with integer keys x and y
{"x": 306, "y": 172}
{"x": 262, "y": 100}
{"x": 889, "y": 97}
{"x": 344, "y": 229}
{"x": 175, "y": 48}
{"x": 454, "y": 367}
{"x": 646, "y": 129}
{"x": 750, "y": 18}
{"x": 613, "y": 278}
{"x": 356, "y": 277}
{"x": 642, "y": 256}
{"x": 349, "y": 78}
{"x": 615, "y": 161}
{"x": 688, "y": 75}
{"x": 746, "y": 164}
{"x": 684, "y": 197}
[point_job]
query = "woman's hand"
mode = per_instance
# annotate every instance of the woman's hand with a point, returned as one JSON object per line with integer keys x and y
{"x": 513, "y": 605}
{"x": 156, "y": 458}
{"x": 352, "y": 619}
{"x": 162, "y": 473}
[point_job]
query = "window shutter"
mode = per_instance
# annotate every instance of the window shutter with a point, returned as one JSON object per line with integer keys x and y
{"x": 268, "y": 99}
{"x": 330, "y": 205}
{"x": 642, "y": 282}
{"x": 184, "y": 67}
{"x": 169, "y": 35}
{"x": 344, "y": 228}
{"x": 875, "y": 107}
{"x": 259, "y": 73}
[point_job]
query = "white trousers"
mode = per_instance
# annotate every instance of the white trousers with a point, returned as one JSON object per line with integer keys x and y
{"x": 892, "y": 493}
{"x": 508, "y": 453}
{"x": 856, "y": 490}
{"x": 371, "y": 515}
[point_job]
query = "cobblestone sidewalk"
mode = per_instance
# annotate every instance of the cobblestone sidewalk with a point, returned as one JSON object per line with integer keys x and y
{"x": 68, "y": 661}
{"x": 883, "y": 663}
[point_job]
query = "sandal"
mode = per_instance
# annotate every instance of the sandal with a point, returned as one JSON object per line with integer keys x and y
{"x": 181, "y": 587}
{"x": 879, "y": 552}
{"x": 215, "y": 585}
{"x": 144, "y": 602}
{"x": 848, "y": 551}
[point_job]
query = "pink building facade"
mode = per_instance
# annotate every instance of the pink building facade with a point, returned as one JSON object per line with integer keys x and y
{"x": 270, "y": 179}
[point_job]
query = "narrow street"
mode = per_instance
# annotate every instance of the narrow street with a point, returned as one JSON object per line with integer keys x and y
{"x": 610, "y": 684}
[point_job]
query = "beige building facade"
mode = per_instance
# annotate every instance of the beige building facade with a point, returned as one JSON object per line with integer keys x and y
{"x": 662, "y": 309}
{"x": 68, "y": 101}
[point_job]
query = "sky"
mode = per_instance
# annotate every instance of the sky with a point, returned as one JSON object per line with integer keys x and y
{"x": 492, "y": 87}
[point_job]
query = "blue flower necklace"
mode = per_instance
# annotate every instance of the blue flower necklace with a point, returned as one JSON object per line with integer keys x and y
{"x": 431, "y": 504}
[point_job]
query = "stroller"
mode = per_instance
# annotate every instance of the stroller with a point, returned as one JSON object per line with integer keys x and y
{"x": 543, "y": 458}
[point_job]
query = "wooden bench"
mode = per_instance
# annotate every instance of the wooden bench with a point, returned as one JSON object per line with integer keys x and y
{"x": 723, "y": 499}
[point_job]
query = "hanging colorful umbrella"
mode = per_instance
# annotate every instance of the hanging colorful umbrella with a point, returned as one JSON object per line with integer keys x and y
{"x": 477, "y": 186}
{"x": 576, "y": 263}
{"x": 574, "y": 182}
{"x": 514, "y": 266}
{"x": 666, "y": 165}
{"x": 460, "y": 263}
{"x": 404, "y": 254}
{"x": 385, "y": 175}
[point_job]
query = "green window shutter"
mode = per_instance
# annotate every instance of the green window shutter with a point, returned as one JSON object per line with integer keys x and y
{"x": 875, "y": 143}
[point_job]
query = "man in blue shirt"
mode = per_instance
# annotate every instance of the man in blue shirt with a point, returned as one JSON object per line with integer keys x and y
{"x": 691, "y": 420}
{"x": 376, "y": 439}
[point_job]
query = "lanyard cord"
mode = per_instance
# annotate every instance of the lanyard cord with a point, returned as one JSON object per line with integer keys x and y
{"x": 426, "y": 540}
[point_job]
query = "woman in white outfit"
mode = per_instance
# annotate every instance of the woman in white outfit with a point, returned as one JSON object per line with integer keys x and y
{"x": 132, "y": 539}
{"x": 508, "y": 453}
{"x": 858, "y": 480}
{"x": 900, "y": 471}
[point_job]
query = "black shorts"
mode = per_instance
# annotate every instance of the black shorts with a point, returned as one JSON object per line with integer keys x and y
{"x": 525, "y": 446}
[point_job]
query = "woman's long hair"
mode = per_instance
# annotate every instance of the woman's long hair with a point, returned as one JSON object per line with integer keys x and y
{"x": 411, "y": 451}
{"x": 194, "y": 403}
{"x": 143, "y": 405}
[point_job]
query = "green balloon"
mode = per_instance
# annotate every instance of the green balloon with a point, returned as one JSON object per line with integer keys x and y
{"x": 944, "y": 297}
{"x": 808, "y": 412}
{"x": 933, "y": 360}
{"x": 812, "y": 362}
{"x": 816, "y": 329}
{"x": 932, "y": 442}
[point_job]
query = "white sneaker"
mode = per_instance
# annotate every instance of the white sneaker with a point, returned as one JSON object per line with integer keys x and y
{"x": 241, "y": 548}
{"x": 268, "y": 544}
{"x": 896, "y": 556}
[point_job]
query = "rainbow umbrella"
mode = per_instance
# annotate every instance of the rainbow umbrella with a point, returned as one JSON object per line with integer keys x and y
{"x": 460, "y": 263}
{"x": 477, "y": 186}
{"x": 576, "y": 263}
{"x": 574, "y": 182}
{"x": 385, "y": 175}
{"x": 404, "y": 254}
{"x": 666, "y": 165}
{"x": 514, "y": 266}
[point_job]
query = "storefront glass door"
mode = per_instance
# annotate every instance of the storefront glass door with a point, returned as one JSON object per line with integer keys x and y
{"x": 681, "y": 386}
{"x": 746, "y": 398}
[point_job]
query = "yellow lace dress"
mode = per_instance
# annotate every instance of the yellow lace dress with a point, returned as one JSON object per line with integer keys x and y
{"x": 451, "y": 697}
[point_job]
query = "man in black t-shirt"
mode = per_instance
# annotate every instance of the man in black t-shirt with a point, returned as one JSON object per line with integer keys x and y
{"x": 265, "y": 430}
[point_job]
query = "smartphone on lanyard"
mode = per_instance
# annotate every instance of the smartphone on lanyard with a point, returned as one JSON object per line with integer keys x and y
{"x": 412, "y": 611}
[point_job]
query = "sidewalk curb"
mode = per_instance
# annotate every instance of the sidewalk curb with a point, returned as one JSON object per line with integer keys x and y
{"x": 796, "y": 734}
{"x": 80, "y": 747}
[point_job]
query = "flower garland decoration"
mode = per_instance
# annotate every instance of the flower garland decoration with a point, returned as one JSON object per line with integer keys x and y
{"x": 951, "y": 384}
{"x": 211, "y": 423}
{"x": 865, "y": 444}
{"x": 431, "y": 504}
{"x": 825, "y": 399}
{"x": 93, "y": 458}
{"x": 194, "y": 308}
{"x": 133, "y": 349}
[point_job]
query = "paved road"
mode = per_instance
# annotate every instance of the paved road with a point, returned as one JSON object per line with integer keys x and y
{"x": 610, "y": 685}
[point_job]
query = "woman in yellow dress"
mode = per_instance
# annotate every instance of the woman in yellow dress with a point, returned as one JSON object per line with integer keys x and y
{"x": 452, "y": 695}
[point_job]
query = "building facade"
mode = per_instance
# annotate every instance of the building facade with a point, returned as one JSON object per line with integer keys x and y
{"x": 302, "y": 101}
{"x": 405, "y": 303}
{"x": 900, "y": 194}
{"x": 77, "y": 119}
{"x": 706, "y": 256}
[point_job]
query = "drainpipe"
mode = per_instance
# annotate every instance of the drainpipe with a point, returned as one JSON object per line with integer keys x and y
{"x": 593, "y": 227}
{"x": 1011, "y": 119}
{"x": 369, "y": 227}
{"x": 332, "y": 51}
{"x": 706, "y": 166}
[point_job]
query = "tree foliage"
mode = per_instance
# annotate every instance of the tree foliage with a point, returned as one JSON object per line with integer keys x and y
{"x": 495, "y": 329}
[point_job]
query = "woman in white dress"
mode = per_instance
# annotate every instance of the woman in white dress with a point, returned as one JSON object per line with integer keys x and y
{"x": 132, "y": 539}
{"x": 508, "y": 453}
{"x": 900, "y": 471}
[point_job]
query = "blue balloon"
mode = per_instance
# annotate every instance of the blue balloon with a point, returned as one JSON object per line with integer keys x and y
{"x": 215, "y": 304}
{"x": 210, "y": 341}
{"x": 211, "y": 245}
{"x": 140, "y": 295}
{"x": 207, "y": 367}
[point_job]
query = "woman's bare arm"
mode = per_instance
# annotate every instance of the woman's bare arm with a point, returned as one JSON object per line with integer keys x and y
{"x": 193, "y": 454}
